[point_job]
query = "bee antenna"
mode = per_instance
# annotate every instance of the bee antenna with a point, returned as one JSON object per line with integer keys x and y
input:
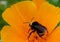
{"x": 26, "y": 22}
{"x": 32, "y": 19}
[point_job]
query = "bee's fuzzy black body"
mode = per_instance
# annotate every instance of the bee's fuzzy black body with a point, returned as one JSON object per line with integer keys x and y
{"x": 40, "y": 29}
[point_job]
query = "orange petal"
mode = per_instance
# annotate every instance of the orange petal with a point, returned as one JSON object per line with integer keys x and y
{"x": 48, "y": 16}
{"x": 19, "y": 13}
{"x": 59, "y": 15}
{"x": 38, "y": 3}
{"x": 10, "y": 35}
{"x": 54, "y": 36}
{"x": 28, "y": 9}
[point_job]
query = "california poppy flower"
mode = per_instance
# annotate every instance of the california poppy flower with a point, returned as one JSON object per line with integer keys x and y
{"x": 19, "y": 13}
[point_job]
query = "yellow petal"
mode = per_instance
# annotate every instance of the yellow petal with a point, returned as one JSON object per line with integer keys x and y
{"x": 48, "y": 16}
{"x": 19, "y": 13}
{"x": 10, "y": 35}
{"x": 54, "y": 36}
{"x": 38, "y": 3}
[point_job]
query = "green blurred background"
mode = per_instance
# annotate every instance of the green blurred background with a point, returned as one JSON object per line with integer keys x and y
{"x": 7, "y": 3}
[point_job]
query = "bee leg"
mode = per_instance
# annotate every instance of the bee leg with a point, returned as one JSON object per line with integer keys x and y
{"x": 31, "y": 33}
{"x": 29, "y": 30}
{"x": 40, "y": 35}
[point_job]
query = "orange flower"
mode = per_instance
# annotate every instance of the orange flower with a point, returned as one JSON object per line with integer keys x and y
{"x": 44, "y": 13}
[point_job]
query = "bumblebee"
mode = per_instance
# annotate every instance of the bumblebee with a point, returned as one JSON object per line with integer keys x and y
{"x": 40, "y": 29}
